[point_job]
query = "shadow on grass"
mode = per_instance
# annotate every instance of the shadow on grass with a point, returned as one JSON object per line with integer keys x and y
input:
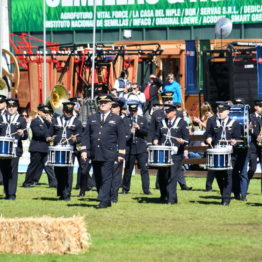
{"x": 87, "y": 199}
{"x": 255, "y": 204}
{"x": 206, "y": 202}
{"x": 81, "y": 205}
{"x": 46, "y": 198}
{"x": 152, "y": 200}
{"x": 210, "y": 197}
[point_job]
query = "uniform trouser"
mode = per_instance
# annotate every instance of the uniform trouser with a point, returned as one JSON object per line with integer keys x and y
{"x": 168, "y": 177}
{"x": 103, "y": 172}
{"x": 117, "y": 179}
{"x": 240, "y": 174}
{"x": 1, "y": 178}
{"x": 253, "y": 163}
{"x": 210, "y": 179}
{"x": 9, "y": 169}
{"x": 224, "y": 180}
{"x": 86, "y": 181}
{"x": 64, "y": 176}
{"x": 142, "y": 159}
{"x": 35, "y": 169}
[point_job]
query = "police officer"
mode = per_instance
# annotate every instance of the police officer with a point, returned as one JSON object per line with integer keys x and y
{"x": 39, "y": 149}
{"x": 219, "y": 128}
{"x": 256, "y": 138}
{"x": 65, "y": 129}
{"x": 136, "y": 149}
{"x": 104, "y": 139}
{"x": 156, "y": 118}
{"x": 240, "y": 172}
{"x": 118, "y": 166}
{"x": 12, "y": 125}
{"x": 2, "y": 112}
{"x": 171, "y": 131}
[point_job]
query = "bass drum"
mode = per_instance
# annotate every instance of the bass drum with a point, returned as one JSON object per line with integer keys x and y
{"x": 240, "y": 113}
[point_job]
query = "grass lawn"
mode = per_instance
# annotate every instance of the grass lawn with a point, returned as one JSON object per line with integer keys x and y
{"x": 138, "y": 228}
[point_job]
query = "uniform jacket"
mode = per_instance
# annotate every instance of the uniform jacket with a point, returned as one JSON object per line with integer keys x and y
{"x": 214, "y": 130}
{"x": 137, "y": 142}
{"x": 179, "y": 131}
{"x": 20, "y": 123}
{"x": 257, "y": 124}
{"x": 107, "y": 141}
{"x": 73, "y": 127}
{"x": 156, "y": 118}
{"x": 39, "y": 129}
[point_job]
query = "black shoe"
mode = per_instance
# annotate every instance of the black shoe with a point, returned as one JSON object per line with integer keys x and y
{"x": 114, "y": 200}
{"x": 103, "y": 205}
{"x": 243, "y": 198}
{"x": 237, "y": 197}
{"x": 163, "y": 199}
{"x": 225, "y": 203}
{"x": 81, "y": 194}
{"x": 27, "y": 185}
{"x": 148, "y": 193}
{"x": 186, "y": 187}
{"x": 67, "y": 199}
{"x": 124, "y": 192}
{"x": 77, "y": 187}
{"x": 210, "y": 190}
{"x": 10, "y": 198}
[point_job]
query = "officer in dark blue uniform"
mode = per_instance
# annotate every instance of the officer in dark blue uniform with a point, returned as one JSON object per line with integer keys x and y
{"x": 136, "y": 149}
{"x": 104, "y": 139}
{"x": 39, "y": 149}
{"x": 12, "y": 125}
{"x": 156, "y": 118}
{"x": 118, "y": 166}
{"x": 2, "y": 112}
{"x": 256, "y": 137}
{"x": 221, "y": 127}
{"x": 65, "y": 128}
{"x": 171, "y": 131}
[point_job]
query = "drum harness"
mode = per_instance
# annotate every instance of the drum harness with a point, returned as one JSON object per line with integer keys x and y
{"x": 9, "y": 120}
{"x": 224, "y": 126}
{"x": 62, "y": 122}
{"x": 169, "y": 136}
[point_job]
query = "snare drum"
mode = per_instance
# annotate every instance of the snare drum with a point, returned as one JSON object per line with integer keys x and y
{"x": 160, "y": 156}
{"x": 219, "y": 158}
{"x": 8, "y": 147}
{"x": 60, "y": 155}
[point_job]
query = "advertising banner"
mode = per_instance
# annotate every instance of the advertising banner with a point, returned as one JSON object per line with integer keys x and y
{"x": 27, "y": 15}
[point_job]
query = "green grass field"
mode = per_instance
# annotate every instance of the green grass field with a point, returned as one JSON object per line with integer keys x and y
{"x": 138, "y": 228}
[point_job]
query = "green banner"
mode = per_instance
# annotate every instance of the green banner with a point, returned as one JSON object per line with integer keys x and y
{"x": 27, "y": 15}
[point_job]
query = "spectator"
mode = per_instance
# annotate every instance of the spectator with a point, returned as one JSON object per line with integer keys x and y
{"x": 174, "y": 86}
{"x": 121, "y": 82}
{"x": 151, "y": 90}
{"x": 206, "y": 112}
{"x": 135, "y": 95}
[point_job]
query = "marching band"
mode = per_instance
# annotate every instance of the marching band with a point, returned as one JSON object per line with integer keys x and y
{"x": 112, "y": 140}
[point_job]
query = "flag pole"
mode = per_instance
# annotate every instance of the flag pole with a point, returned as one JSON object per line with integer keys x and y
{"x": 44, "y": 50}
{"x": 94, "y": 51}
{"x": 1, "y": 36}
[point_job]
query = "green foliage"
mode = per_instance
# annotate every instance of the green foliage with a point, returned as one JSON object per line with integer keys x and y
{"x": 139, "y": 228}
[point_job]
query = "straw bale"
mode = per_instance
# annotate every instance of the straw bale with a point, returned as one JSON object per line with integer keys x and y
{"x": 43, "y": 235}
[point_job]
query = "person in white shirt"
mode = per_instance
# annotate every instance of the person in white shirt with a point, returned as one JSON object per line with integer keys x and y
{"x": 136, "y": 95}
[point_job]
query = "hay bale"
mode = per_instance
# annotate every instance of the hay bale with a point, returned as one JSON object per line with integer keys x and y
{"x": 43, "y": 235}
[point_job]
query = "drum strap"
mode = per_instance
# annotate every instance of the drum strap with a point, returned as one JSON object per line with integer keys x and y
{"x": 40, "y": 118}
{"x": 13, "y": 120}
{"x": 173, "y": 126}
{"x": 62, "y": 122}
{"x": 224, "y": 126}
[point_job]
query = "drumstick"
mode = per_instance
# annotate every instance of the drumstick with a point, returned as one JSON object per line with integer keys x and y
{"x": 16, "y": 132}
{"x": 66, "y": 140}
